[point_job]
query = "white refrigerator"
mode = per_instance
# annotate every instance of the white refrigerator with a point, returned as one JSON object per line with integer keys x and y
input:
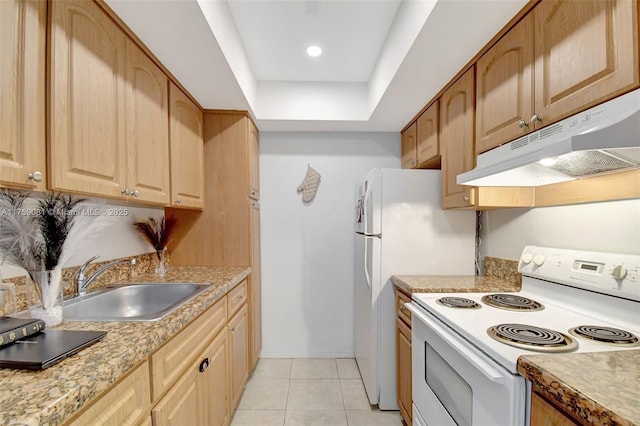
{"x": 400, "y": 230}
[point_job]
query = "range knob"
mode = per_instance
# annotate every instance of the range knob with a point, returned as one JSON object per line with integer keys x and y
{"x": 538, "y": 259}
{"x": 619, "y": 272}
{"x": 527, "y": 258}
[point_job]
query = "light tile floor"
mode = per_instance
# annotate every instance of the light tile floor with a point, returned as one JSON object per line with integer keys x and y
{"x": 308, "y": 392}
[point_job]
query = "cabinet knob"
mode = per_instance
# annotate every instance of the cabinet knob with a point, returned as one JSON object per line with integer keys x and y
{"x": 403, "y": 309}
{"x": 413, "y": 163}
{"x": 536, "y": 118}
{"x": 35, "y": 176}
{"x": 126, "y": 192}
{"x": 204, "y": 364}
{"x": 233, "y": 329}
{"x": 522, "y": 124}
{"x": 136, "y": 193}
{"x": 178, "y": 201}
{"x": 465, "y": 198}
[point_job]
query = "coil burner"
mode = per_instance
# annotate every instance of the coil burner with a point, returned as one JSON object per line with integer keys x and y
{"x": 532, "y": 338}
{"x": 512, "y": 302}
{"x": 610, "y": 335}
{"x": 458, "y": 302}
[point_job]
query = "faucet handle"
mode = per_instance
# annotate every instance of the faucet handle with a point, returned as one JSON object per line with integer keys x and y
{"x": 80, "y": 274}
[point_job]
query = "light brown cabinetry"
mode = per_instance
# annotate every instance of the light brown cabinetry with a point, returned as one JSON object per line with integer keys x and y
{"x": 428, "y": 137}
{"x": 408, "y": 147}
{"x": 545, "y": 414}
{"x": 126, "y": 403}
{"x": 403, "y": 356}
{"x": 504, "y": 88}
{"x": 187, "y": 158}
{"x": 563, "y": 57}
{"x": 86, "y": 105}
{"x": 227, "y": 232}
{"x": 456, "y": 138}
{"x": 22, "y": 104}
{"x": 108, "y": 105}
{"x": 147, "y": 127}
{"x": 238, "y": 347}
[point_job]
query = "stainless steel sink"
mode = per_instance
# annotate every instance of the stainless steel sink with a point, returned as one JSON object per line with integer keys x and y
{"x": 131, "y": 302}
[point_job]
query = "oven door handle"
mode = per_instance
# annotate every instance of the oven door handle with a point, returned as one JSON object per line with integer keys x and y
{"x": 489, "y": 371}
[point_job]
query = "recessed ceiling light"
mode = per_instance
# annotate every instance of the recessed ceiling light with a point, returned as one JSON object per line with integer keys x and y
{"x": 314, "y": 51}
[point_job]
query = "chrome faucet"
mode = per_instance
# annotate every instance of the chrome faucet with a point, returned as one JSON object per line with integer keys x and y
{"x": 82, "y": 282}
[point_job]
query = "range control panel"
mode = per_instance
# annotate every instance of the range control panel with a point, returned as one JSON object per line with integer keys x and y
{"x": 607, "y": 273}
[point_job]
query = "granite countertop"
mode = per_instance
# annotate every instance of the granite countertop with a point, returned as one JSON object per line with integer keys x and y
{"x": 50, "y": 396}
{"x": 453, "y": 284}
{"x": 600, "y": 388}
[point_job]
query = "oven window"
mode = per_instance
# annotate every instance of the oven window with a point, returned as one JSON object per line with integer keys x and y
{"x": 454, "y": 393}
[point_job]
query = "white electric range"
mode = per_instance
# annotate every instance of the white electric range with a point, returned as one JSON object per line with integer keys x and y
{"x": 465, "y": 346}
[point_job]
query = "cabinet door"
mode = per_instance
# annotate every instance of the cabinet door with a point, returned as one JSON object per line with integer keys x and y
{"x": 22, "y": 105}
{"x": 187, "y": 158}
{"x": 408, "y": 141}
{"x": 180, "y": 406}
{"x": 147, "y": 120}
{"x": 254, "y": 158}
{"x": 504, "y": 88}
{"x": 255, "y": 287}
{"x": 87, "y": 151}
{"x": 428, "y": 137}
{"x": 214, "y": 381}
{"x": 585, "y": 54}
{"x": 456, "y": 140}
{"x": 403, "y": 360}
{"x": 238, "y": 341}
{"x": 545, "y": 414}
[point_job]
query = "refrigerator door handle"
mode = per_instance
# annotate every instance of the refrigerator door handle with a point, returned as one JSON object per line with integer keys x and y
{"x": 367, "y": 276}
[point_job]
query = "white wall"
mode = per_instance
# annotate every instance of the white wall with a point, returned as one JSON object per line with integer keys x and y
{"x": 308, "y": 249}
{"x": 610, "y": 227}
{"x": 118, "y": 240}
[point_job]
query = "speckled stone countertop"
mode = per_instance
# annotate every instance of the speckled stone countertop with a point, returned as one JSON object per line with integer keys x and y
{"x": 49, "y": 397}
{"x": 601, "y": 388}
{"x": 452, "y": 284}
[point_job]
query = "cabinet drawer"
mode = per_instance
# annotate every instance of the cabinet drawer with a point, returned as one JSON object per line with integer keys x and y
{"x": 403, "y": 312}
{"x": 237, "y": 297}
{"x": 126, "y": 403}
{"x": 171, "y": 360}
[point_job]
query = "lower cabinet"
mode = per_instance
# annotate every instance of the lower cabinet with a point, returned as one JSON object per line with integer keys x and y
{"x": 403, "y": 356}
{"x": 545, "y": 414}
{"x": 196, "y": 378}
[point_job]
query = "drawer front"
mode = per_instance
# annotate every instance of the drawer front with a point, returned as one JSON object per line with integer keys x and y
{"x": 403, "y": 312}
{"x": 126, "y": 403}
{"x": 171, "y": 360}
{"x": 237, "y": 297}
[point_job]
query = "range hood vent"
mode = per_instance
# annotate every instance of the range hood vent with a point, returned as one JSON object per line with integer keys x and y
{"x": 603, "y": 139}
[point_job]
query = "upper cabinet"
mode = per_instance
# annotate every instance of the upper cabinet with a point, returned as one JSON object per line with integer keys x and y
{"x": 147, "y": 127}
{"x": 109, "y": 110}
{"x": 254, "y": 155}
{"x": 456, "y": 135}
{"x": 187, "y": 158}
{"x": 87, "y": 94}
{"x": 22, "y": 104}
{"x": 563, "y": 57}
{"x": 428, "y": 137}
{"x": 586, "y": 53}
{"x": 505, "y": 88}
{"x": 408, "y": 148}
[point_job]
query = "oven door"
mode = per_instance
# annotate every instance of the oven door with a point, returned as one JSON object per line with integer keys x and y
{"x": 454, "y": 383}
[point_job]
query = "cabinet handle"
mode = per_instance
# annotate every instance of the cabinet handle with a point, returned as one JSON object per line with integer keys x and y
{"x": 178, "y": 201}
{"x": 240, "y": 297}
{"x": 35, "y": 176}
{"x": 233, "y": 329}
{"x": 204, "y": 364}
{"x": 465, "y": 198}
{"x": 403, "y": 309}
{"x": 126, "y": 192}
{"x": 536, "y": 118}
{"x": 522, "y": 124}
{"x": 413, "y": 163}
{"x": 136, "y": 193}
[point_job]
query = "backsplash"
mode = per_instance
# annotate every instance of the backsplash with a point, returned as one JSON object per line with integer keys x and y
{"x": 145, "y": 263}
{"x": 506, "y": 269}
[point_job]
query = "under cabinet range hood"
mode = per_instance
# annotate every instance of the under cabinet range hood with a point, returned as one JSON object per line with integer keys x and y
{"x": 603, "y": 139}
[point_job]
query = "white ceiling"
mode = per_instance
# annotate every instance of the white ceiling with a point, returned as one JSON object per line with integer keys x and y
{"x": 382, "y": 59}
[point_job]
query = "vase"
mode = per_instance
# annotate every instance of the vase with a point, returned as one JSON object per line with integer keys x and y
{"x": 161, "y": 259}
{"x": 44, "y": 296}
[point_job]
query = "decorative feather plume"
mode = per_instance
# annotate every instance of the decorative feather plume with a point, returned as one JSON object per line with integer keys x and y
{"x": 21, "y": 242}
{"x": 156, "y": 231}
{"x": 58, "y": 213}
